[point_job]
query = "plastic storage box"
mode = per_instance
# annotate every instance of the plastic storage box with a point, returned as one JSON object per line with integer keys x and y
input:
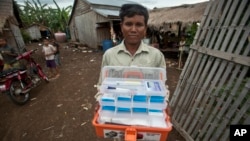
{"x": 133, "y": 97}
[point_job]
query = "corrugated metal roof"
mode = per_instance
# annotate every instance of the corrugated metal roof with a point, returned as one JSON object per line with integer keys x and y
{"x": 107, "y": 12}
{"x": 106, "y": 8}
{"x": 117, "y": 3}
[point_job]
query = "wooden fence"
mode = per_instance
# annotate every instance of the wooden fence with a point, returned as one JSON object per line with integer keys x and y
{"x": 213, "y": 89}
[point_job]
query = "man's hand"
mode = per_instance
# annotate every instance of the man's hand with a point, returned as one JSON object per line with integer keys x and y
{"x": 97, "y": 98}
{"x": 97, "y": 106}
{"x": 168, "y": 111}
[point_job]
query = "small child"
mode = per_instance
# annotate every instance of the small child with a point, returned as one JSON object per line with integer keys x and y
{"x": 49, "y": 52}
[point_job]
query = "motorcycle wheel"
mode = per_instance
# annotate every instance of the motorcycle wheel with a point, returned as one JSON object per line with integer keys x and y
{"x": 15, "y": 93}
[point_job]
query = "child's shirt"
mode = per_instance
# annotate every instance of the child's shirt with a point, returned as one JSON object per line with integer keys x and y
{"x": 49, "y": 50}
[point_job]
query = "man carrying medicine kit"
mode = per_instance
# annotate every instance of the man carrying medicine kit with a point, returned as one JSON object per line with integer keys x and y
{"x": 132, "y": 51}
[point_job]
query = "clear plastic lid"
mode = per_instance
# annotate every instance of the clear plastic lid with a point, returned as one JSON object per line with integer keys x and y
{"x": 134, "y": 72}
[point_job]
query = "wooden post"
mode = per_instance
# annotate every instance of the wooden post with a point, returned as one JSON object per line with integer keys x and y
{"x": 181, "y": 48}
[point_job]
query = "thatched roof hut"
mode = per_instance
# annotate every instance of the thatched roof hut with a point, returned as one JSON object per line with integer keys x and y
{"x": 185, "y": 14}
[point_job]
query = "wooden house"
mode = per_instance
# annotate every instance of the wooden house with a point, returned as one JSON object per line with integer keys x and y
{"x": 9, "y": 24}
{"x": 38, "y": 31}
{"x": 93, "y": 21}
{"x": 34, "y": 32}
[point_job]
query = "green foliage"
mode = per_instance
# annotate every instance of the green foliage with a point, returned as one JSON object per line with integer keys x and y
{"x": 26, "y": 36}
{"x": 37, "y": 13}
{"x": 191, "y": 31}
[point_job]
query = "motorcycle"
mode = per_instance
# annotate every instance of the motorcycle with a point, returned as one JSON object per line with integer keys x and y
{"x": 17, "y": 82}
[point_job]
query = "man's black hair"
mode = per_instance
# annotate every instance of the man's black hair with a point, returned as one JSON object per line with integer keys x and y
{"x": 130, "y": 10}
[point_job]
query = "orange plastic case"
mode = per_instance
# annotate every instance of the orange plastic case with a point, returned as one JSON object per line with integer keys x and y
{"x": 132, "y": 132}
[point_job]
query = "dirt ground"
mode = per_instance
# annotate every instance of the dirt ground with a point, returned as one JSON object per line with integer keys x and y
{"x": 62, "y": 110}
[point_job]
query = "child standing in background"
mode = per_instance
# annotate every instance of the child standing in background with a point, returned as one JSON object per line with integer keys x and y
{"x": 49, "y": 53}
{"x": 57, "y": 53}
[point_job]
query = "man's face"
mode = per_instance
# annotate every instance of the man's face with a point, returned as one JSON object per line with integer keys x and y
{"x": 133, "y": 29}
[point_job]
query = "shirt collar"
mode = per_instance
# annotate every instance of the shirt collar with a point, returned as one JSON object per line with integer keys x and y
{"x": 142, "y": 48}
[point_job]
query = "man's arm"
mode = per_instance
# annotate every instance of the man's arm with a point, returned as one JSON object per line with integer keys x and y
{"x": 9, "y": 53}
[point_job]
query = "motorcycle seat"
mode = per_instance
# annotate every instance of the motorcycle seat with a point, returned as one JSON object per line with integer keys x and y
{"x": 4, "y": 73}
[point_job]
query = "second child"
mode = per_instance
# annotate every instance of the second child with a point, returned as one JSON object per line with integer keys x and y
{"x": 57, "y": 52}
